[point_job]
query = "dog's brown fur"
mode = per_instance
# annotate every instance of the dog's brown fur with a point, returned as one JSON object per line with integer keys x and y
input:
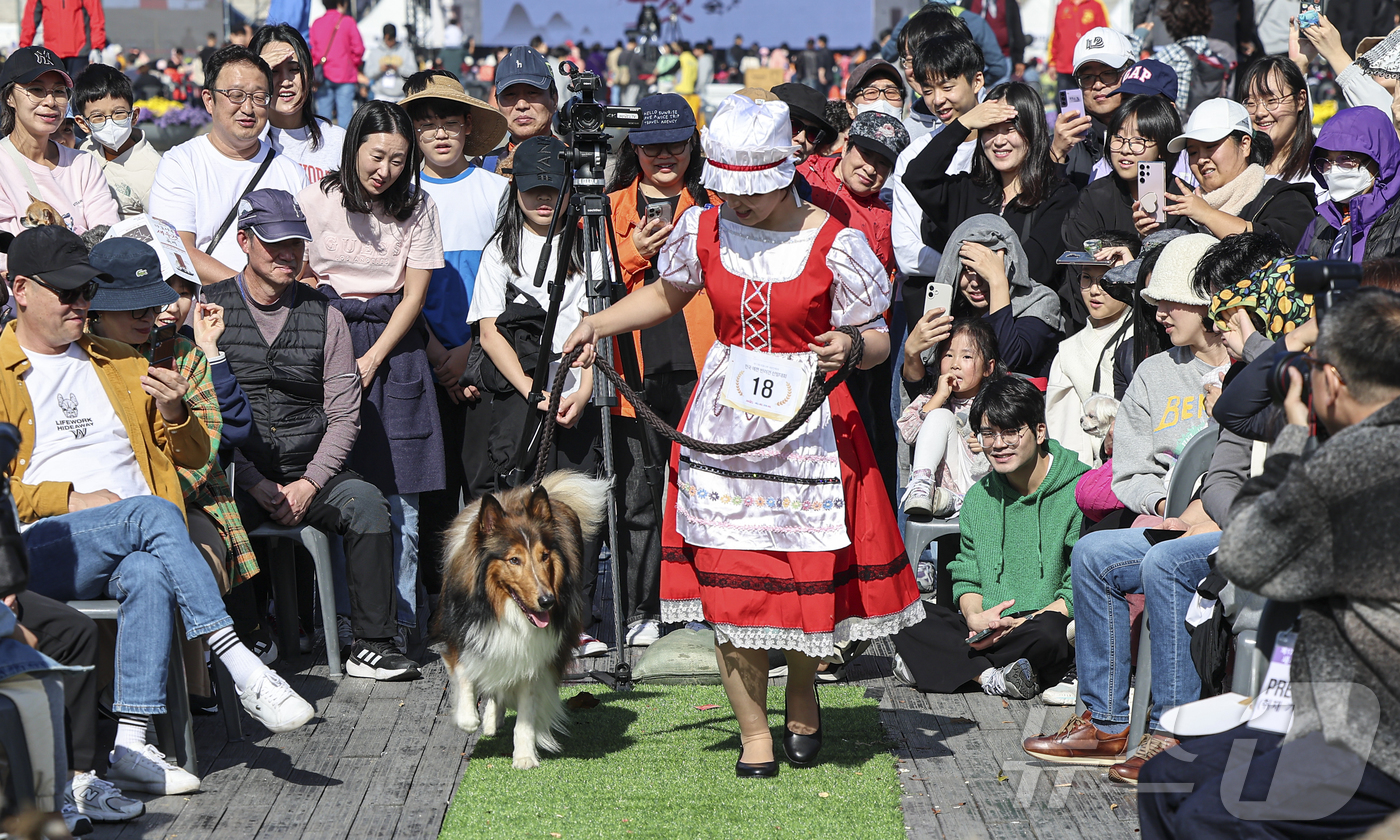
{"x": 512, "y": 608}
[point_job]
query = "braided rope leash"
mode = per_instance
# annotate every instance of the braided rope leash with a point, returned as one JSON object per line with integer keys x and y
{"x": 820, "y": 389}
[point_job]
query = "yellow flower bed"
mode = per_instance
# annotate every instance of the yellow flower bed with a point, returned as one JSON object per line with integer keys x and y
{"x": 158, "y": 106}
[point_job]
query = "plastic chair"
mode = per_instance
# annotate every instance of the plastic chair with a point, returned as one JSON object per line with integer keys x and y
{"x": 1190, "y": 467}
{"x": 918, "y": 535}
{"x": 175, "y": 728}
{"x": 19, "y": 784}
{"x": 284, "y": 585}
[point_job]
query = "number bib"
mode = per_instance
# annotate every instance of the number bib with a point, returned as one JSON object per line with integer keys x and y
{"x": 765, "y": 385}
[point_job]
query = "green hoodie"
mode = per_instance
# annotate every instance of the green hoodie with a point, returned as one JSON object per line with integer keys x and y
{"x": 1016, "y": 546}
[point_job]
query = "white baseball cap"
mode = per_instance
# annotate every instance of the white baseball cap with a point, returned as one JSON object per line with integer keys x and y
{"x": 1104, "y": 45}
{"x": 1214, "y": 119}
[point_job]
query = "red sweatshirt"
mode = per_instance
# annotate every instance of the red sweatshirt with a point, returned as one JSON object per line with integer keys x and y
{"x": 1072, "y": 19}
{"x": 66, "y": 32}
{"x": 866, "y": 213}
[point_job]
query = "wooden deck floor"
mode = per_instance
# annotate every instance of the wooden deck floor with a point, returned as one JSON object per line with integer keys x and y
{"x": 383, "y": 760}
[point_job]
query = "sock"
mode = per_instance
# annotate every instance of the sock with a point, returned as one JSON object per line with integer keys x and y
{"x": 242, "y": 664}
{"x": 131, "y": 731}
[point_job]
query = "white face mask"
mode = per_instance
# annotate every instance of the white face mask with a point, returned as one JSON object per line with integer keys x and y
{"x": 112, "y": 134}
{"x": 881, "y": 106}
{"x": 1346, "y": 184}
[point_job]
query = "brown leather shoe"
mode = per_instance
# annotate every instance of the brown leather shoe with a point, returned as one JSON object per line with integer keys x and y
{"x": 1149, "y": 746}
{"x": 1079, "y": 742}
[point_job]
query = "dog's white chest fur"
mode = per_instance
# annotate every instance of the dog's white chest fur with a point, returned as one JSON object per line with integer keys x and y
{"x": 500, "y": 655}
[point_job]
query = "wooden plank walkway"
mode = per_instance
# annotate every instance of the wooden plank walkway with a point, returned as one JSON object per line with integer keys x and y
{"x": 383, "y": 760}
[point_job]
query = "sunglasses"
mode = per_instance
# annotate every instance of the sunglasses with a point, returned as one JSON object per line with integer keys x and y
{"x": 68, "y": 297}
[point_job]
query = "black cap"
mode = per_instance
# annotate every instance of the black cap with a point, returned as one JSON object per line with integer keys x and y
{"x": 26, "y": 64}
{"x": 137, "y": 281}
{"x": 55, "y": 255}
{"x": 536, "y": 163}
{"x": 273, "y": 216}
{"x": 806, "y": 103}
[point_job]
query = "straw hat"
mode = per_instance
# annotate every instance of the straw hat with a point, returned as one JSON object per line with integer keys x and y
{"x": 488, "y": 124}
{"x": 748, "y": 147}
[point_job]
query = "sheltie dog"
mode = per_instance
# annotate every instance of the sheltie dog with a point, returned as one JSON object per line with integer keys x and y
{"x": 512, "y": 608}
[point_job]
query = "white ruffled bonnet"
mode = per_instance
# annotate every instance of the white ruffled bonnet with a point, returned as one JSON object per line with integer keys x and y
{"x": 748, "y": 147}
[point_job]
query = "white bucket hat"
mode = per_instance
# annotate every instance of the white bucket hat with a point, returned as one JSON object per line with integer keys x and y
{"x": 748, "y": 147}
{"x": 1171, "y": 278}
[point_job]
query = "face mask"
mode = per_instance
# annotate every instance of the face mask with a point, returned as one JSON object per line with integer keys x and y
{"x": 1346, "y": 184}
{"x": 112, "y": 134}
{"x": 881, "y": 106}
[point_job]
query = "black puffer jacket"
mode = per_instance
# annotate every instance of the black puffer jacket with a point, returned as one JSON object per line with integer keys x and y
{"x": 1382, "y": 239}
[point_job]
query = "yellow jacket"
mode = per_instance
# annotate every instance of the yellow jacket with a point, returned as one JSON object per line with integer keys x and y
{"x": 159, "y": 448}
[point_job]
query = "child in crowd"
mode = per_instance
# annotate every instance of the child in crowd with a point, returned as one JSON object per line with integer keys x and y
{"x": 102, "y": 101}
{"x": 1083, "y": 366}
{"x": 947, "y": 458}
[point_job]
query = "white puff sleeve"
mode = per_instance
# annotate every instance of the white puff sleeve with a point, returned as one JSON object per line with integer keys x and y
{"x": 860, "y": 288}
{"x": 678, "y": 263}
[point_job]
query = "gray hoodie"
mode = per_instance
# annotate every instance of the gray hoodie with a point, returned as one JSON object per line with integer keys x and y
{"x": 1028, "y": 298}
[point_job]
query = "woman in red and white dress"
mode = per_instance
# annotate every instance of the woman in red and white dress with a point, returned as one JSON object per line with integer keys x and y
{"x": 794, "y": 547}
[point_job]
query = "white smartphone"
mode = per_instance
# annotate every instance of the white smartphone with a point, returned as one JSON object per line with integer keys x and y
{"x": 1072, "y": 100}
{"x": 1152, "y": 188}
{"x": 939, "y": 296}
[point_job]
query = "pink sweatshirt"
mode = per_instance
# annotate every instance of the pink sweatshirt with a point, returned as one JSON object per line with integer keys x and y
{"x": 77, "y": 189}
{"x": 1094, "y": 492}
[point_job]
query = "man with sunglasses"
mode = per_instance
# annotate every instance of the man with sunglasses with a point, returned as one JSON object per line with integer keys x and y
{"x": 97, "y": 493}
{"x": 1011, "y": 578}
{"x": 199, "y": 183}
{"x": 1100, "y": 58}
{"x": 1315, "y": 532}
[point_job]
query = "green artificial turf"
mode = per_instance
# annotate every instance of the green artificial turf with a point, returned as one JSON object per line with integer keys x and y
{"x": 648, "y": 763}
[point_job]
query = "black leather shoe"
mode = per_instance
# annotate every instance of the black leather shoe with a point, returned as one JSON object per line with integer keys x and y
{"x": 802, "y": 749}
{"x": 760, "y": 770}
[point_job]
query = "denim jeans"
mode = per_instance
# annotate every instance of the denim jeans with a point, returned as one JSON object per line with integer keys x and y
{"x": 336, "y": 98}
{"x": 1108, "y": 565}
{"x": 403, "y": 514}
{"x": 137, "y": 551}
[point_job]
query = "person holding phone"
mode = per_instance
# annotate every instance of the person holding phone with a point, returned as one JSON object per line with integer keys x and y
{"x": 1100, "y": 58}
{"x": 655, "y": 180}
{"x": 1011, "y": 578}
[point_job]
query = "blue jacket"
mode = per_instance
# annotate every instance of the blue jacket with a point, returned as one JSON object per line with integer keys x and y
{"x": 996, "y": 66}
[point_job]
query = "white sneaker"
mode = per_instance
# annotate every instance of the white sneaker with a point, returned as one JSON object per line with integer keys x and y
{"x": 589, "y": 646}
{"x": 101, "y": 801}
{"x": 76, "y": 823}
{"x": 918, "y": 496}
{"x": 944, "y": 503}
{"x": 149, "y": 772}
{"x": 643, "y": 633}
{"x": 272, "y": 703}
{"x": 1064, "y": 694}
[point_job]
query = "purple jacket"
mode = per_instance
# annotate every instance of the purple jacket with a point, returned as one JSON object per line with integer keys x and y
{"x": 1370, "y": 131}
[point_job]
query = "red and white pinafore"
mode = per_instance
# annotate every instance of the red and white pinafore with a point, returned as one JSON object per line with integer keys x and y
{"x": 794, "y": 547}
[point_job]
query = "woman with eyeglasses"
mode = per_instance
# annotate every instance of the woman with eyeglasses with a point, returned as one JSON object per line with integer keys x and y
{"x": 40, "y": 180}
{"x": 376, "y": 240}
{"x": 1011, "y": 176}
{"x": 130, "y": 309}
{"x": 1276, "y": 97}
{"x": 295, "y": 130}
{"x": 1358, "y": 156}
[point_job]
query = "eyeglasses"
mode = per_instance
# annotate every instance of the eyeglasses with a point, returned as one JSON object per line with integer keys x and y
{"x": 1011, "y": 438}
{"x": 872, "y": 93}
{"x": 1272, "y": 104}
{"x": 68, "y": 297}
{"x": 1134, "y": 145}
{"x": 1346, "y": 162}
{"x": 99, "y": 120}
{"x": 148, "y": 312}
{"x": 452, "y": 128}
{"x": 238, "y": 97}
{"x": 38, "y": 93}
{"x": 1107, "y": 78}
{"x": 676, "y": 149}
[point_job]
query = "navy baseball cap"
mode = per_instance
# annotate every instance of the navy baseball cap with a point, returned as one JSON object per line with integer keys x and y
{"x": 54, "y": 254}
{"x": 666, "y": 118}
{"x": 523, "y": 65}
{"x": 137, "y": 281}
{"x": 1150, "y": 77}
{"x": 536, "y": 163}
{"x": 272, "y": 216}
{"x": 26, "y": 64}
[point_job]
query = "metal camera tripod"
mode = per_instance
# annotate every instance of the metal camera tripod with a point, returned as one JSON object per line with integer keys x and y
{"x": 588, "y": 214}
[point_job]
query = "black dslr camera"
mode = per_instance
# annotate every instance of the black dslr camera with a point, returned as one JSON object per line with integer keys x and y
{"x": 581, "y": 121}
{"x": 1328, "y": 281}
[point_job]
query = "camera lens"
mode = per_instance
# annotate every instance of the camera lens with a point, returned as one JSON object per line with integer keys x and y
{"x": 1278, "y": 380}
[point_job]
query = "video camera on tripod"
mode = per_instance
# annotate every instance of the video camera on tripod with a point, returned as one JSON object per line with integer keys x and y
{"x": 581, "y": 121}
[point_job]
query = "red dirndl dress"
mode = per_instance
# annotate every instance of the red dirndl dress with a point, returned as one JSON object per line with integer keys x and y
{"x": 795, "y": 547}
